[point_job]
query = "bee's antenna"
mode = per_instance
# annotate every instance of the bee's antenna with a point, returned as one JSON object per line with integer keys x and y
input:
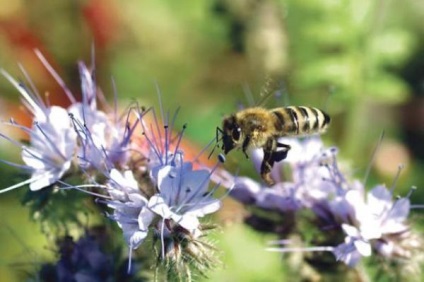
{"x": 213, "y": 150}
{"x": 219, "y": 131}
{"x": 374, "y": 153}
{"x": 217, "y": 139}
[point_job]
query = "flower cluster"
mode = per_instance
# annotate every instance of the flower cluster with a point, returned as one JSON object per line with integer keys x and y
{"x": 143, "y": 180}
{"x": 62, "y": 140}
{"x": 370, "y": 222}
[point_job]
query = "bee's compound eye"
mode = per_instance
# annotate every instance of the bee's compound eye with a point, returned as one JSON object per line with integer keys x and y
{"x": 236, "y": 133}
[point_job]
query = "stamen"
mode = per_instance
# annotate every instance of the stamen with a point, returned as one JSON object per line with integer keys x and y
{"x": 373, "y": 156}
{"x": 78, "y": 127}
{"x": 55, "y": 76}
{"x": 159, "y": 144}
{"x": 280, "y": 242}
{"x": 93, "y": 55}
{"x": 180, "y": 136}
{"x": 162, "y": 239}
{"x": 115, "y": 100}
{"x": 19, "y": 166}
{"x": 166, "y": 131}
{"x": 196, "y": 193}
{"x": 37, "y": 109}
{"x": 48, "y": 139}
{"x": 32, "y": 152}
{"x": 47, "y": 96}
{"x": 413, "y": 188}
{"x": 80, "y": 188}
{"x": 129, "y": 258}
{"x": 395, "y": 180}
{"x": 306, "y": 249}
{"x": 161, "y": 111}
{"x": 35, "y": 92}
{"x": 174, "y": 118}
{"x": 28, "y": 181}
{"x": 153, "y": 147}
{"x": 14, "y": 142}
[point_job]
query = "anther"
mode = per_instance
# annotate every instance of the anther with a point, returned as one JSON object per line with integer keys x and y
{"x": 413, "y": 188}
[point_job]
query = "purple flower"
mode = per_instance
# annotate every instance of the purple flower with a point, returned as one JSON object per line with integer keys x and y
{"x": 104, "y": 138}
{"x": 130, "y": 207}
{"x": 372, "y": 222}
{"x": 98, "y": 139}
{"x": 52, "y": 141}
{"x": 314, "y": 178}
{"x": 183, "y": 195}
{"x": 354, "y": 248}
{"x": 51, "y": 150}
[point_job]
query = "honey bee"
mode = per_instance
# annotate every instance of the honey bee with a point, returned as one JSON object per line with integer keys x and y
{"x": 260, "y": 128}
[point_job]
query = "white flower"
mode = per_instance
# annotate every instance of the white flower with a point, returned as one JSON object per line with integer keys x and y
{"x": 183, "y": 195}
{"x": 130, "y": 207}
{"x": 52, "y": 146}
{"x": 52, "y": 140}
{"x": 104, "y": 138}
{"x": 376, "y": 215}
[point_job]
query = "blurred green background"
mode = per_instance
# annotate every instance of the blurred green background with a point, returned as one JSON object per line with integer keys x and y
{"x": 361, "y": 61}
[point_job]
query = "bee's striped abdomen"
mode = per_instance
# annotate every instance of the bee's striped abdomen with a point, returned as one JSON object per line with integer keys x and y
{"x": 295, "y": 120}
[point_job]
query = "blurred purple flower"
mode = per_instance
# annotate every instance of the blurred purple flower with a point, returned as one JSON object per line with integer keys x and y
{"x": 314, "y": 178}
{"x": 354, "y": 248}
{"x": 371, "y": 221}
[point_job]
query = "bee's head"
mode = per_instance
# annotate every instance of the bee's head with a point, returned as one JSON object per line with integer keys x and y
{"x": 231, "y": 134}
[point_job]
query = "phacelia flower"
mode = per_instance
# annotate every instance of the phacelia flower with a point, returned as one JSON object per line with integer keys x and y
{"x": 370, "y": 222}
{"x": 130, "y": 207}
{"x": 183, "y": 195}
{"x": 80, "y": 136}
{"x": 166, "y": 198}
{"x": 52, "y": 141}
{"x": 306, "y": 186}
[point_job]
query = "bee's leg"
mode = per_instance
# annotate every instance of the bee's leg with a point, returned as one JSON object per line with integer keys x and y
{"x": 246, "y": 143}
{"x": 281, "y": 154}
{"x": 266, "y": 167}
{"x": 268, "y": 162}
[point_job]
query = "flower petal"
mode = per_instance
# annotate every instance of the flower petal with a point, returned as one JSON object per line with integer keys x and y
{"x": 158, "y": 206}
